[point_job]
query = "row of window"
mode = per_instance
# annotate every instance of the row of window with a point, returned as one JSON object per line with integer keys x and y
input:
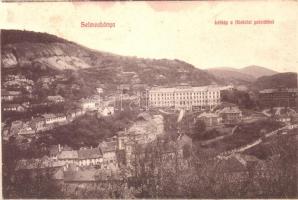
{"x": 161, "y": 103}
{"x": 195, "y": 97}
{"x": 185, "y": 94}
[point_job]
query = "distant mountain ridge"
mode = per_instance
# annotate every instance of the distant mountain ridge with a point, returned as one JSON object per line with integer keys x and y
{"x": 281, "y": 80}
{"x": 244, "y": 75}
{"x": 37, "y": 55}
{"x": 27, "y": 48}
{"x": 257, "y": 71}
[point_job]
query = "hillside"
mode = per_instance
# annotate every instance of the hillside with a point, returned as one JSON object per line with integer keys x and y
{"x": 244, "y": 75}
{"x": 24, "y": 50}
{"x": 231, "y": 75}
{"x": 257, "y": 71}
{"x": 287, "y": 80}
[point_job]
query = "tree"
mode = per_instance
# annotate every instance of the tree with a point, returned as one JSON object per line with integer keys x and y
{"x": 198, "y": 129}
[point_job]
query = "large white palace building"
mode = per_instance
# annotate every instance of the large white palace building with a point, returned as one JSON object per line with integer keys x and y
{"x": 184, "y": 97}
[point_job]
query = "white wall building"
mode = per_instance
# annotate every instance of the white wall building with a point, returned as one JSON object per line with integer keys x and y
{"x": 185, "y": 97}
{"x": 88, "y": 104}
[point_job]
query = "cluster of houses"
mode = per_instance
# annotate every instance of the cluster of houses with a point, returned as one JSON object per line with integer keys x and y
{"x": 48, "y": 121}
{"x": 18, "y": 82}
{"x": 227, "y": 115}
{"x": 13, "y": 90}
{"x": 110, "y": 155}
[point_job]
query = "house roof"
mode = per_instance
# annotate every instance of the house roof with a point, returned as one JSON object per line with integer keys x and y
{"x": 87, "y": 100}
{"x": 57, "y": 97}
{"x": 37, "y": 119}
{"x": 49, "y": 115}
{"x": 53, "y": 150}
{"x": 231, "y": 109}
{"x": 68, "y": 154}
{"x": 268, "y": 91}
{"x": 89, "y": 153}
{"x": 208, "y": 115}
{"x": 10, "y": 93}
{"x": 12, "y": 105}
{"x": 108, "y": 146}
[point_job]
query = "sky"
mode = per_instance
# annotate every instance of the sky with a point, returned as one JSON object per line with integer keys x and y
{"x": 173, "y": 30}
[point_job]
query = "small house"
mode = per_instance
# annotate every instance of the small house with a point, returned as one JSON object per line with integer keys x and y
{"x": 88, "y": 104}
{"x": 210, "y": 119}
{"x": 14, "y": 108}
{"x": 231, "y": 114}
{"x": 55, "y": 99}
{"x": 53, "y": 118}
{"x": 92, "y": 156}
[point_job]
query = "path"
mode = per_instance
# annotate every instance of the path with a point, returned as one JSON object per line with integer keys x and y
{"x": 219, "y": 137}
{"x": 227, "y": 154}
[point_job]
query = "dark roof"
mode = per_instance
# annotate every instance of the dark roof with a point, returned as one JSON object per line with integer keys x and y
{"x": 37, "y": 119}
{"x": 11, "y": 105}
{"x": 66, "y": 154}
{"x": 89, "y": 153}
{"x": 108, "y": 146}
{"x": 10, "y": 93}
{"x": 53, "y": 150}
{"x": 231, "y": 109}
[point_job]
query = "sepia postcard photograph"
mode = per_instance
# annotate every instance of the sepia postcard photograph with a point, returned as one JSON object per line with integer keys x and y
{"x": 149, "y": 99}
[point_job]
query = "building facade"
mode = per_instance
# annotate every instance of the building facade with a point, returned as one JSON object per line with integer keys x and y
{"x": 231, "y": 115}
{"x": 279, "y": 97}
{"x": 210, "y": 119}
{"x": 184, "y": 97}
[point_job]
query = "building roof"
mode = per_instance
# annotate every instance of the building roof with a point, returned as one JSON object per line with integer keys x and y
{"x": 52, "y": 115}
{"x": 49, "y": 115}
{"x": 268, "y": 91}
{"x": 37, "y": 119}
{"x": 108, "y": 146}
{"x": 55, "y": 98}
{"x": 89, "y": 153}
{"x": 186, "y": 88}
{"x": 231, "y": 109}
{"x": 10, "y": 93}
{"x": 208, "y": 115}
{"x": 11, "y": 105}
{"x": 89, "y": 100}
{"x": 53, "y": 150}
{"x": 68, "y": 155}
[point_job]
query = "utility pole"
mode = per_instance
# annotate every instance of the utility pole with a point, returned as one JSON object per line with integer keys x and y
{"x": 121, "y": 100}
{"x": 146, "y": 99}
